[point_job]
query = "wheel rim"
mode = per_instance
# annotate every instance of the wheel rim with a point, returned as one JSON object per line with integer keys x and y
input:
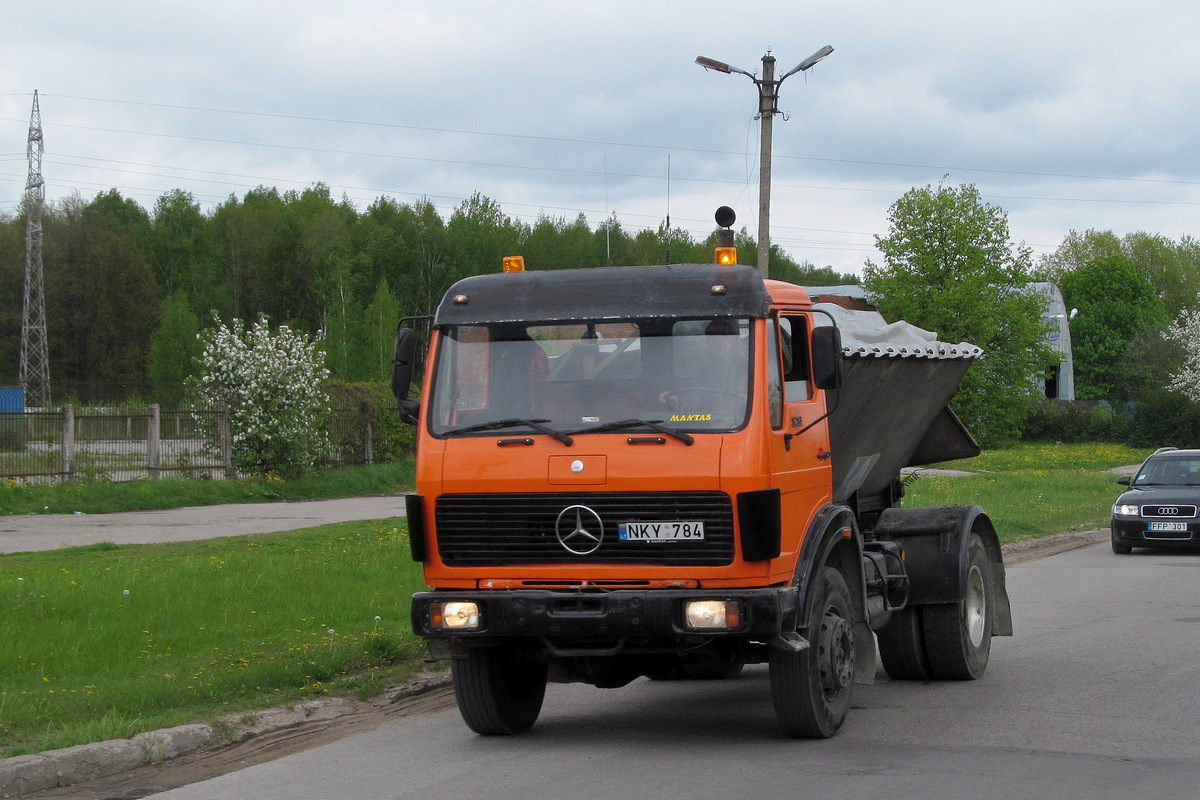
{"x": 836, "y": 645}
{"x": 975, "y": 607}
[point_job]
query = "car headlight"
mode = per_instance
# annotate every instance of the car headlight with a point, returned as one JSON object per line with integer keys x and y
{"x": 1125, "y": 510}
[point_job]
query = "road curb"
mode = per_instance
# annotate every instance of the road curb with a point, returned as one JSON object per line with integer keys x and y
{"x": 87, "y": 762}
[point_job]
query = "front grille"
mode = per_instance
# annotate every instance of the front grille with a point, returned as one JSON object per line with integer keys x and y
{"x": 498, "y": 529}
{"x": 1165, "y": 511}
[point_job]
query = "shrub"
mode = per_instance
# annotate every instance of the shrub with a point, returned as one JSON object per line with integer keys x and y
{"x": 271, "y": 385}
{"x": 1165, "y": 418}
{"x": 392, "y": 438}
{"x": 1053, "y": 421}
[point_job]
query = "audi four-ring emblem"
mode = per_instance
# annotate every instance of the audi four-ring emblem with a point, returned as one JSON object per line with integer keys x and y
{"x": 579, "y": 529}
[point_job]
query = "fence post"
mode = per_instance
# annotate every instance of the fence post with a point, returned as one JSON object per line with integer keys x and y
{"x": 225, "y": 438}
{"x": 368, "y": 454}
{"x": 153, "y": 452}
{"x": 68, "y": 441}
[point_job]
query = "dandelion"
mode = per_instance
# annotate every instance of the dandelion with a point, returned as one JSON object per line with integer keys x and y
{"x": 126, "y": 592}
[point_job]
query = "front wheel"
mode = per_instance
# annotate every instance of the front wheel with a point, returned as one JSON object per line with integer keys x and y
{"x": 958, "y": 636}
{"x": 498, "y": 693}
{"x": 1118, "y": 548}
{"x": 811, "y": 688}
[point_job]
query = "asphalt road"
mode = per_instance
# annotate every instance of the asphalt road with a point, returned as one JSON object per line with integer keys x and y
{"x": 1095, "y": 697}
{"x": 50, "y": 531}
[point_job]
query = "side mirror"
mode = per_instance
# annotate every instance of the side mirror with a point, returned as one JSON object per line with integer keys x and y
{"x": 402, "y": 373}
{"x": 827, "y": 357}
{"x": 1124, "y": 480}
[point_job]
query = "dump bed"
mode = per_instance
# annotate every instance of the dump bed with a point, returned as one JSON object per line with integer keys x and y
{"x": 891, "y": 410}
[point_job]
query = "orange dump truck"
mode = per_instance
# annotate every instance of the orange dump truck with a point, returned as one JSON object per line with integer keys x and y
{"x": 680, "y": 470}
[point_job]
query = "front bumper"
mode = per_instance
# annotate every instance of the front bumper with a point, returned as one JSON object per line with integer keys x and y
{"x": 609, "y": 621}
{"x": 1135, "y": 532}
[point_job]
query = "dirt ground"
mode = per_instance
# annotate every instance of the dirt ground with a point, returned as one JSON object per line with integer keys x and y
{"x": 275, "y": 737}
{"x": 278, "y": 733}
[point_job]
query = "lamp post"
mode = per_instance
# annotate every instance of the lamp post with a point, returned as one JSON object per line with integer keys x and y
{"x": 768, "y": 107}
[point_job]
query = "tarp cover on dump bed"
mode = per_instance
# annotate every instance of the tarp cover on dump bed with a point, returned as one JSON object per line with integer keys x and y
{"x": 891, "y": 411}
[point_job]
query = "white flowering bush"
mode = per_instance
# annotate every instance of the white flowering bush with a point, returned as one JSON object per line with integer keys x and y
{"x": 271, "y": 384}
{"x": 1186, "y": 332}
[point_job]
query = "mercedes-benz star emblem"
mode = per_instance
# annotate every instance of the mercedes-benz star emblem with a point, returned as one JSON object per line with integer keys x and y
{"x": 579, "y": 530}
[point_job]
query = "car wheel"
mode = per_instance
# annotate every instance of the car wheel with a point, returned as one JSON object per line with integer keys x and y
{"x": 1120, "y": 549}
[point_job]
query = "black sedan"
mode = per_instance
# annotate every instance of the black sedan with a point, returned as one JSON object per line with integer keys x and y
{"x": 1160, "y": 507}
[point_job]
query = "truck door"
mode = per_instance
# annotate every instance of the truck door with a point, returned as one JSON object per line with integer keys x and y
{"x": 800, "y": 457}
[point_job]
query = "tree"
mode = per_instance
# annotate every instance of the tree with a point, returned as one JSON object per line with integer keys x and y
{"x": 174, "y": 349}
{"x": 1173, "y": 269}
{"x": 948, "y": 266}
{"x": 1117, "y": 304}
{"x": 1185, "y": 331}
{"x": 378, "y": 337}
{"x": 181, "y": 248}
{"x": 271, "y": 386}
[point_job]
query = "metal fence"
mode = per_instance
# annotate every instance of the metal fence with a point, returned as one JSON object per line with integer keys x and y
{"x": 123, "y": 444}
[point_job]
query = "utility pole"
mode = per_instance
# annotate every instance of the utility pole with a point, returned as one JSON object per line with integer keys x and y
{"x": 35, "y": 360}
{"x": 768, "y": 107}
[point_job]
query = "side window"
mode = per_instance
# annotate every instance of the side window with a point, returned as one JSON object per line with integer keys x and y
{"x": 794, "y": 343}
{"x": 774, "y": 381}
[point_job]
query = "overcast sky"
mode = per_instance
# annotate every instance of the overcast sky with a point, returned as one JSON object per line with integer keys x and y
{"x": 1066, "y": 114}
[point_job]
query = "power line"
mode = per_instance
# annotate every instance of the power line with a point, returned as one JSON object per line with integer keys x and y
{"x": 609, "y": 143}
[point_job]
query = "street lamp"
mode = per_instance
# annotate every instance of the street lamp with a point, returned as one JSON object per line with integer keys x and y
{"x": 768, "y": 107}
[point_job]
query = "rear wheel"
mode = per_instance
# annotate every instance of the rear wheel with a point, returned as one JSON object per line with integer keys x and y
{"x": 902, "y": 646}
{"x": 498, "y": 693}
{"x": 958, "y": 636}
{"x": 811, "y": 688}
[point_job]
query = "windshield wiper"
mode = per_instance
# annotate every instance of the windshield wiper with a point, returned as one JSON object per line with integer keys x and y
{"x": 514, "y": 422}
{"x": 654, "y": 424}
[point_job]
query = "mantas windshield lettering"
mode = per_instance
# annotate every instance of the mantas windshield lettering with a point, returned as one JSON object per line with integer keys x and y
{"x": 670, "y": 376}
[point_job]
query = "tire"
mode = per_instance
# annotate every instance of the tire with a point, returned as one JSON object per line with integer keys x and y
{"x": 902, "y": 646}
{"x": 958, "y": 636}
{"x": 811, "y": 689}
{"x": 1118, "y": 548}
{"x": 497, "y": 693}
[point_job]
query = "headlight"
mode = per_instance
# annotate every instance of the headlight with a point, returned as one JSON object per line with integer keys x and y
{"x": 1125, "y": 510}
{"x": 454, "y": 616}
{"x": 712, "y": 615}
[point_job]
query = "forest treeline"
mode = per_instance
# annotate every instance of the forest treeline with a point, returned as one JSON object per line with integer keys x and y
{"x": 127, "y": 289}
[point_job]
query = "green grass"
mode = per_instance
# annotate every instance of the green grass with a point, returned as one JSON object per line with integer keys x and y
{"x": 107, "y": 641}
{"x": 1033, "y": 490}
{"x": 102, "y": 496}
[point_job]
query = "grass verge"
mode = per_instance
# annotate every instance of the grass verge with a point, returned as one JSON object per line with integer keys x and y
{"x": 101, "y": 496}
{"x": 1033, "y": 490}
{"x": 108, "y": 641}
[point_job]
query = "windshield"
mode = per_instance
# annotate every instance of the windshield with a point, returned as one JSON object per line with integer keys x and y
{"x": 1169, "y": 471}
{"x": 521, "y": 378}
